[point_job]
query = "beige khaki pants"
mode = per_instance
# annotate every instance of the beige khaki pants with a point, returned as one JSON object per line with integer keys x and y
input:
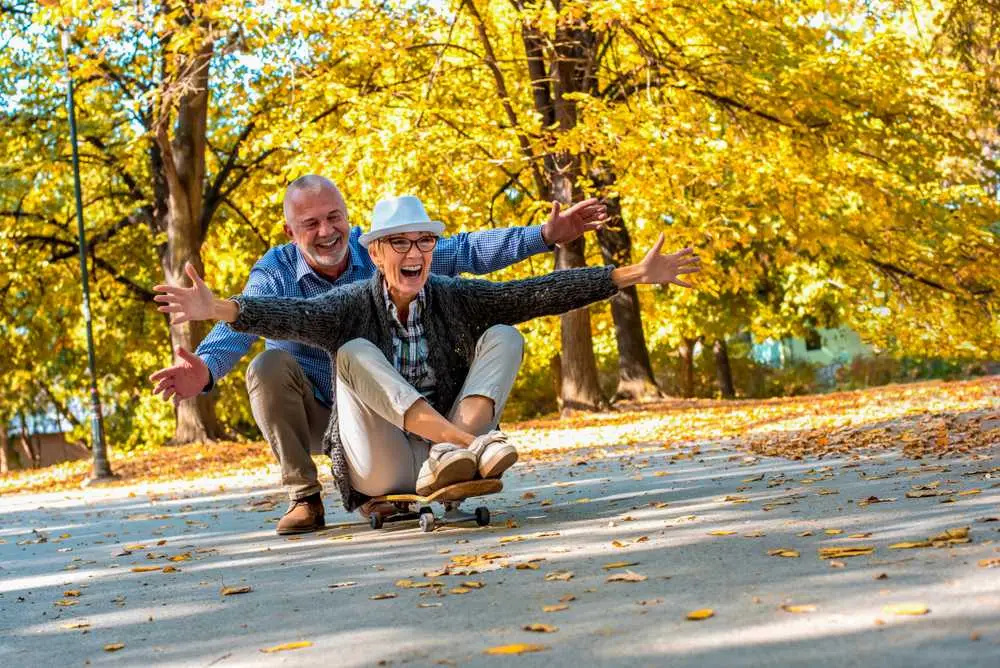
{"x": 372, "y": 398}
{"x": 289, "y": 416}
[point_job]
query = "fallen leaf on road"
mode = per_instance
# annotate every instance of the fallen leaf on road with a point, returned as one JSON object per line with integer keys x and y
{"x": 619, "y": 564}
{"x": 698, "y": 615}
{"x": 906, "y": 609}
{"x": 71, "y": 592}
{"x": 517, "y": 648}
{"x": 76, "y": 625}
{"x": 833, "y": 532}
{"x": 555, "y": 607}
{"x": 720, "y": 532}
{"x": 627, "y": 576}
{"x": 798, "y": 608}
{"x": 990, "y": 563}
{"x": 540, "y": 628}
{"x": 527, "y": 566}
{"x": 782, "y": 552}
{"x": 429, "y": 605}
{"x": 341, "y": 585}
{"x": 287, "y": 646}
{"x": 459, "y": 590}
{"x": 561, "y": 576}
{"x": 145, "y": 569}
{"x": 910, "y": 545}
{"x": 843, "y": 552}
{"x": 232, "y": 591}
{"x": 114, "y": 646}
{"x": 861, "y": 535}
{"x": 473, "y": 585}
{"x": 382, "y": 597}
{"x": 65, "y": 604}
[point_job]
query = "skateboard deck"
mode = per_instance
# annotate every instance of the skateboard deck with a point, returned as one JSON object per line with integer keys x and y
{"x": 456, "y": 492}
{"x": 417, "y": 507}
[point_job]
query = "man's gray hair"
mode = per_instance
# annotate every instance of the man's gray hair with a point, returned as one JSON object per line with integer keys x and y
{"x": 311, "y": 183}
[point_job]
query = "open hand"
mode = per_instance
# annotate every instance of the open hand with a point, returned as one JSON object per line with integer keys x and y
{"x": 185, "y": 379}
{"x": 660, "y": 269}
{"x": 564, "y": 226}
{"x": 194, "y": 303}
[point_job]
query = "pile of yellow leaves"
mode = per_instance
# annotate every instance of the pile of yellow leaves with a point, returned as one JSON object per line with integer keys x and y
{"x": 924, "y": 419}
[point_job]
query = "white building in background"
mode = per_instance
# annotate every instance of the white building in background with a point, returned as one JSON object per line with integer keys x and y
{"x": 828, "y": 349}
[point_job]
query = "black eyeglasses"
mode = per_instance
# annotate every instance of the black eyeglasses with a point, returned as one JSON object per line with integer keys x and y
{"x": 402, "y": 245}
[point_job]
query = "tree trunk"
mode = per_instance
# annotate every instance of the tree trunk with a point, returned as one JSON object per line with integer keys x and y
{"x": 179, "y": 212}
{"x": 686, "y": 351}
{"x": 722, "y": 369}
{"x": 9, "y": 461}
{"x": 635, "y": 371}
{"x": 580, "y": 389}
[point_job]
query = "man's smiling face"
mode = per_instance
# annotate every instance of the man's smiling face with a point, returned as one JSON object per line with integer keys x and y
{"x": 316, "y": 221}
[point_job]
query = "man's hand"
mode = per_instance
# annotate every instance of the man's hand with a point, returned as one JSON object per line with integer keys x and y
{"x": 657, "y": 269}
{"x": 563, "y": 227}
{"x": 194, "y": 303}
{"x": 183, "y": 380}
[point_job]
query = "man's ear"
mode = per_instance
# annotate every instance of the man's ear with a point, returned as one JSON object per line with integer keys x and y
{"x": 288, "y": 231}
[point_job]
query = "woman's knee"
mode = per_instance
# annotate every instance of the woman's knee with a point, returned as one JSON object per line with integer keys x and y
{"x": 505, "y": 337}
{"x": 352, "y": 352}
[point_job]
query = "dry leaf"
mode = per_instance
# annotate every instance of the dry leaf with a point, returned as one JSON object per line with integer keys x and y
{"x": 627, "y": 576}
{"x": 720, "y": 532}
{"x": 540, "y": 628}
{"x": 860, "y": 535}
{"x": 909, "y": 545}
{"x": 528, "y": 496}
{"x": 782, "y": 552}
{"x": 170, "y": 569}
{"x": 76, "y": 625}
{"x": 527, "y": 566}
{"x": 990, "y": 563}
{"x": 341, "y": 585}
{"x": 843, "y": 552}
{"x": 287, "y": 646}
{"x": 698, "y": 615}
{"x": 459, "y": 590}
{"x": 473, "y": 585}
{"x": 383, "y": 596}
{"x": 231, "y": 591}
{"x": 555, "y": 608}
{"x": 562, "y": 576}
{"x": 65, "y": 604}
{"x": 71, "y": 592}
{"x": 429, "y": 605}
{"x": 517, "y": 648}
{"x": 798, "y": 608}
{"x": 833, "y": 532}
{"x": 145, "y": 569}
{"x": 906, "y": 609}
{"x": 619, "y": 564}
{"x": 114, "y": 646}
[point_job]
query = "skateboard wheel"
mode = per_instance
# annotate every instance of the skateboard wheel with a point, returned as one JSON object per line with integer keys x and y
{"x": 482, "y": 516}
{"x": 375, "y": 520}
{"x": 427, "y": 522}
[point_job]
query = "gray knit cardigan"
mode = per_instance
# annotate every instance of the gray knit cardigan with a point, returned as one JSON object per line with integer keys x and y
{"x": 457, "y": 313}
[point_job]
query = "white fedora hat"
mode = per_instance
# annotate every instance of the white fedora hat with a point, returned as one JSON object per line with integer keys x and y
{"x": 395, "y": 215}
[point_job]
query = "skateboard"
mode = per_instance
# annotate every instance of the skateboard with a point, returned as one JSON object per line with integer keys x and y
{"x": 416, "y": 507}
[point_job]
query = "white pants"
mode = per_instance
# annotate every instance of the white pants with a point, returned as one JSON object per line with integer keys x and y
{"x": 372, "y": 399}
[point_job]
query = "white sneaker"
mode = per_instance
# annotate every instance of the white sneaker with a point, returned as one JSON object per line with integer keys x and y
{"x": 446, "y": 464}
{"x": 495, "y": 454}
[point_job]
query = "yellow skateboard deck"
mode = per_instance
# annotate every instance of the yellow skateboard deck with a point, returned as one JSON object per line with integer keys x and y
{"x": 457, "y": 492}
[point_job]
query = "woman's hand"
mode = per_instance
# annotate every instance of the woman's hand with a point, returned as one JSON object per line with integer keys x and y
{"x": 194, "y": 303}
{"x": 658, "y": 269}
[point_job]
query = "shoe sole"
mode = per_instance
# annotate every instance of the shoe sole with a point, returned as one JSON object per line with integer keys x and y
{"x": 295, "y": 530}
{"x": 458, "y": 470}
{"x": 499, "y": 463}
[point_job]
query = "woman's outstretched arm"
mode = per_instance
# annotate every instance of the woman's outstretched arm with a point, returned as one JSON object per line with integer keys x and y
{"x": 309, "y": 321}
{"x": 561, "y": 291}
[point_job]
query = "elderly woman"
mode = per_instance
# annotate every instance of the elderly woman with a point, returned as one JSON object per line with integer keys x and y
{"x": 424, "y": 363}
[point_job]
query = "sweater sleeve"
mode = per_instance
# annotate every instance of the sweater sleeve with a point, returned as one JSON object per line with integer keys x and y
{"x": 561, "y": 291}
{"x": 315, "y": 322}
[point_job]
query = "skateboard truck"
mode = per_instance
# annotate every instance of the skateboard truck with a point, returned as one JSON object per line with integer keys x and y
{"x": 416, "y": 507}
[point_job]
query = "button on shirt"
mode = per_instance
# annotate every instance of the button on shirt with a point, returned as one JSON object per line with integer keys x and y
{"x": 284, "y": 272}
{"x": 409, "y": 346}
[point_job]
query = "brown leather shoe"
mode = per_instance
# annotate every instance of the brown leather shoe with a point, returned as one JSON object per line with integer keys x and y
{"x": 303, "y": 515}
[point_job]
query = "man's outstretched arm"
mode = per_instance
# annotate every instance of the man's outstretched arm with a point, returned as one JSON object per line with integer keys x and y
{"x": 490, "y": 250}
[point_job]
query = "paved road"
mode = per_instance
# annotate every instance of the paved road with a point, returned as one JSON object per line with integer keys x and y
{"x": 652, "y": 506}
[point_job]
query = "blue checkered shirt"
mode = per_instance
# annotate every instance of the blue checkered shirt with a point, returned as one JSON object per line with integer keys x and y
{"x": 409, "y": 346}
{"x": 283, "y": 272}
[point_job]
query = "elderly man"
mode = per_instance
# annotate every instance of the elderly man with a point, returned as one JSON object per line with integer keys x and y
{"x": 290, "y": 383}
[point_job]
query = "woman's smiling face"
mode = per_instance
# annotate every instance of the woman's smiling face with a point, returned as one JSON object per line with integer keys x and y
{"x": 405, "y": 272}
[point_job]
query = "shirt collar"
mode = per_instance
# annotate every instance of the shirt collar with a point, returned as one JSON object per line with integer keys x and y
{"x": 416, "y": 308}
{"x": 302, "y": 268}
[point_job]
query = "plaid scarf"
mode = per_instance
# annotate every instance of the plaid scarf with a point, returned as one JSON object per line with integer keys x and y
{"x": 409, "y": 345}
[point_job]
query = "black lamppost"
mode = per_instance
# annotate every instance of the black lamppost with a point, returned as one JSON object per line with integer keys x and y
{"x": 101, "y": 467}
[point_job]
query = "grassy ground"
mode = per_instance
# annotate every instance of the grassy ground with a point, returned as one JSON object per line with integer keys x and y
{"x": 929, "y": 419}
